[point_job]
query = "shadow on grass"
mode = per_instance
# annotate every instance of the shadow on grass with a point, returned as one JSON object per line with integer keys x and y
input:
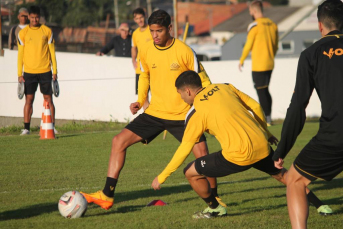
{"x": 29, "y": 211}
{"x": 125, "y": 209}
{"x": 68, "y": 136}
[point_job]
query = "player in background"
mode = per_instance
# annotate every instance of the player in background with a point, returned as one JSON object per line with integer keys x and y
{"x": 320, "y": 68}
{"x": 13, "y": 34}
{"x": 223, "y": 111}
{"x": 139, "y": 38}
{"x": 36, "y": 54}
{"x": 162, "y": 60}
{"x": 262, "y": 41}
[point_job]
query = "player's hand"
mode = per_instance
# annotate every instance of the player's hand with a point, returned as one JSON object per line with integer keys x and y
{"x": 134, "y": 63}
{"x": 273, "y": 140}
{"x": 54, "y": 77}
{"x": 278, "y": 164}
{"x": 240, "y": 66}
{"x": 21, "y": 79}
{"x": 134, "y": 107}
{"x": 155, "y": 184}
{"x": 99, "y": 54}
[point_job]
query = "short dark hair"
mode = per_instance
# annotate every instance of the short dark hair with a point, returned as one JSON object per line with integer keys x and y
{"x": 34, "y": 10}
{"x": 139, "y": 11}
{"x": 160, "y": 17}
{"x": 330, "y": 13}
{"x": 188, "y": 78}
{"x": 257, "y": 4}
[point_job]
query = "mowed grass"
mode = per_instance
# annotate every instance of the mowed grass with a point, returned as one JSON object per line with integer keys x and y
{"x": 35, "y": 173}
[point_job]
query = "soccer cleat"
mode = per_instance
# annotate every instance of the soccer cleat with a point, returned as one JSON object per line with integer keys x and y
{"x": 99, "y": 198}
{"x": 221, "y": 202}
{"x": 208, "y": 213}
{"x": 25, "y": 132}
{"x": 325, "y": 210}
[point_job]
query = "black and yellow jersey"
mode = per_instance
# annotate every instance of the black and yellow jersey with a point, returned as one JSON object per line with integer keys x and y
{"x": 320, "y": 67}
{"x": 36, "y": 50}
{"x": 139, "y": 39}
{"x": 224, "y": 111}
{"x": 262, "y": 41}
{"x": 160, "y": 68}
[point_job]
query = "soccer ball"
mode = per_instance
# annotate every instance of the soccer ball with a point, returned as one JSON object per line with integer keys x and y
{"x": 72, "y": 205}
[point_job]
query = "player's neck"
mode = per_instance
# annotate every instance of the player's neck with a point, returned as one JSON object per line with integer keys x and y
{"x": 168, "y": 42}
{"x": 35, "y": 27}
{"x": 144, "y": 27}
{"x": 258, "y": 15}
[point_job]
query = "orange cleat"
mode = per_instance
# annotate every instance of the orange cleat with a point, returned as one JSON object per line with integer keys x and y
{"x": 99, "y": 198}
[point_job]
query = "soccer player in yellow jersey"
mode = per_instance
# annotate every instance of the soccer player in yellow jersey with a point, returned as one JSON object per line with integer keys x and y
{"x": 162, "y": 60}
{"x": 36, "y": 55}
{"x": 262, "y": 41}
{"x": 139, "y": 38}
{"x": 223, "y": 111}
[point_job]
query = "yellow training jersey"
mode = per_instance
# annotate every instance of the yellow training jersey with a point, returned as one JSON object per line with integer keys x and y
{"x": 160, "y": 68}
{"x": 223, "y": 111}
{"x": 262, "y": 41}
{"x": 139, "y": 39}
{"x": 36, "y": 50}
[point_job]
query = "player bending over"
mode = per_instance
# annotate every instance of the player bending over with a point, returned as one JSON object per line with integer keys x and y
{"x": 223, "y": 111}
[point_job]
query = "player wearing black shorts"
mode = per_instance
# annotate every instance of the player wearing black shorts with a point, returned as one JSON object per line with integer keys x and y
{"x": 320, "y": 67}
{"x": 262, "y": 41}
{"x": 223, "y": 111}
{"x": 162, "y": 60}
{"x": 36, "y": 54}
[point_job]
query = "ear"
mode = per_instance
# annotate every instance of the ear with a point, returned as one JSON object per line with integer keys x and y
{"x": 188, "y": 91}
{"x": 170, "y": 28}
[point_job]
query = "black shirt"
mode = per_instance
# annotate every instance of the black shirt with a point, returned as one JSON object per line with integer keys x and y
{"x": 320, "y": 67}
{"x": 122, "y": 47}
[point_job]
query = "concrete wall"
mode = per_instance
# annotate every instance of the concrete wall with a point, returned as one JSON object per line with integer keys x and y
{"x": 102, "y": 88}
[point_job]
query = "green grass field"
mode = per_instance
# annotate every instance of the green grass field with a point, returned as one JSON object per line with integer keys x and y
{"x": 35, "y": 173}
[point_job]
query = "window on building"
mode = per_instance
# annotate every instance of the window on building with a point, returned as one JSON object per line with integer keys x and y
{"x": 286, "y": 47}
{"x": 308, "y": 43}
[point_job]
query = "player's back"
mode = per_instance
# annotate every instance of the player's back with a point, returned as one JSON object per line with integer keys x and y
{"x": 325, "y": 61}
{"x": 242, "y": 138}
{"x": 265, "y": 44}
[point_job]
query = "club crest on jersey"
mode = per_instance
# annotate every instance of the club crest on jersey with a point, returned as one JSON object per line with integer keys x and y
{"x": 174, "y": 66}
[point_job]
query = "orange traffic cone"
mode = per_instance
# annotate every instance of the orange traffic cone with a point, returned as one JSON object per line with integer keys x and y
{"x": 47, "y": 128}
{"x": 41, "y": 121}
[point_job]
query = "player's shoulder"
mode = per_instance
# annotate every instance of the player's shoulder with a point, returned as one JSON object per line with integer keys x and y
{"x": 23, "y": 31}
{"x": 147, "y": 46}
{"x": 45, "y": 28}
{"x": 251, "y": 25}
{"x": 181, "y": 46}
{"x": 135, "y": 32}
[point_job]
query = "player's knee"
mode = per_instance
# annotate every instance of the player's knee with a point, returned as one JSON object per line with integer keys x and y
{"x": 187, "y": 167}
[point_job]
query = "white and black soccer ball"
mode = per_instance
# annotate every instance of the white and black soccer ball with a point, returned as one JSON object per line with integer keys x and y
{"x": 72, "y": 205}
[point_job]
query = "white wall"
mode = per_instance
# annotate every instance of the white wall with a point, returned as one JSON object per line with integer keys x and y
{"x": 96, "y": 88}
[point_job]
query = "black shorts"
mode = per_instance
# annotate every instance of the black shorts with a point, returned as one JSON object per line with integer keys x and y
{"x": 149, "y": 127}
{"x": 261, "y": 79}
{"x": 215, "y": 165}
{"x": 32, "y": 81}
{"x": 318, "y": 161}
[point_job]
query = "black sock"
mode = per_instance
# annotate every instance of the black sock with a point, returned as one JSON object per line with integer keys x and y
{"x": 214, "y": 191}
{"x": 211, "y": 201}
{"x": 27, "y": 125}
{"x": 313, "y": 199}
{"x": 110, "y": 186}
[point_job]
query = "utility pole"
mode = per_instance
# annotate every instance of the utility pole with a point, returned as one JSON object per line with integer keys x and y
{"x": 175, "y": 18}
{"x": 116, "y": 16}
{"x": 1, "y": 50}
{"x": 148, "y": 2}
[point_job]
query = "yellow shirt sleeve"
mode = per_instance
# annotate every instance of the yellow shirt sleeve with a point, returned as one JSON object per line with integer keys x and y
{"x": 144, "y": 80}
{"x": 21, "y": 41}
{"x": 205, "y": 80}
{"x": 248, "y": 44}
{"x": 194, "y": 129}
{"x": 253, "y": 106}
{"x": 51, "y": 45}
